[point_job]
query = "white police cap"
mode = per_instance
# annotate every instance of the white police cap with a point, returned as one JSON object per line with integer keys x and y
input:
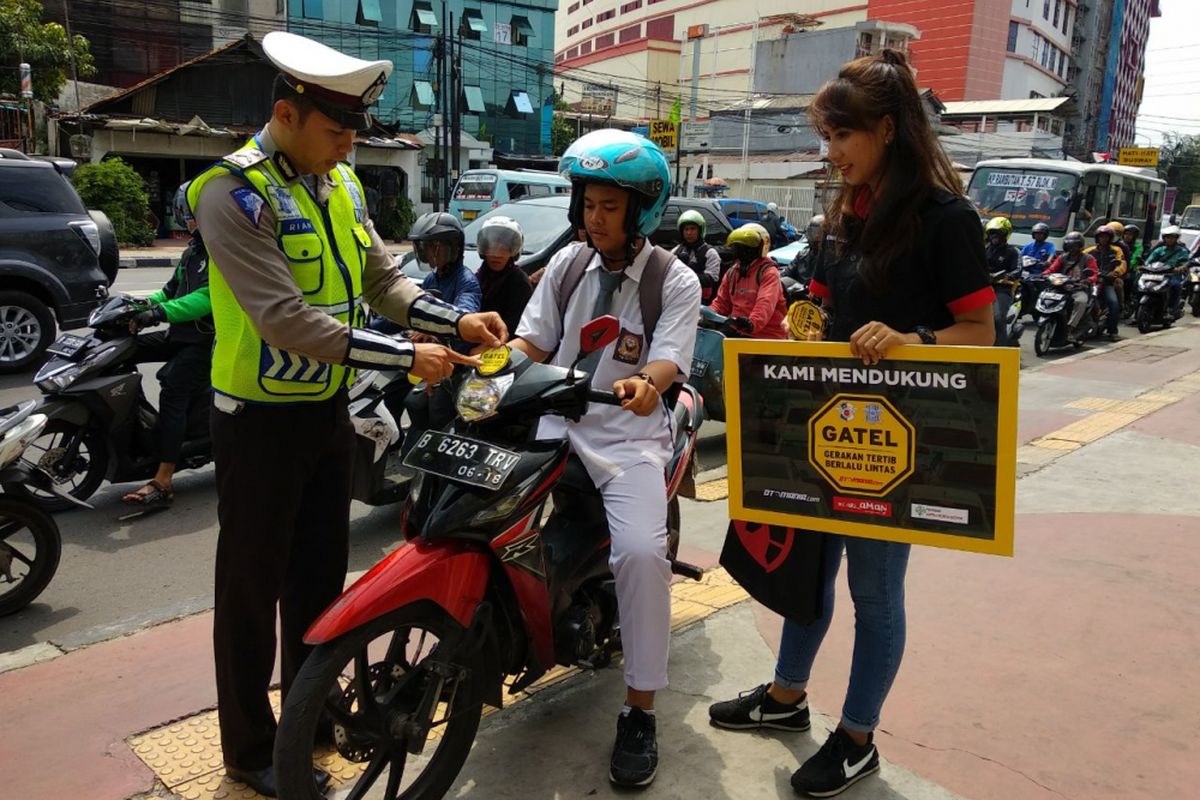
{"x": 342, "y": 87}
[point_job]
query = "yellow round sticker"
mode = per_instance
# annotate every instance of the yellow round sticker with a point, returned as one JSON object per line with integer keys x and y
{"x": 494, "y": 360}
{"x": 804, "y": 318}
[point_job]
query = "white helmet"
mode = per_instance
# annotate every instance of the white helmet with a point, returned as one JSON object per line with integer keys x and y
{"x": 500, "y": 233}
{"x": 762, "y": 232}
{"x": 1170, "y": 230}
{"x": 772, "y": 207}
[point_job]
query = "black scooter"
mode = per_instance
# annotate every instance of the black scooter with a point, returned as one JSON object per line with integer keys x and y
{"x": 1055, "y": 304}
{"x": 1153, "y": 304}
{"x": 100, "y": 422}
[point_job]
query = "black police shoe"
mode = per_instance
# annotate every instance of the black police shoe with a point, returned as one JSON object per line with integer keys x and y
{"x": 635, "y": 752}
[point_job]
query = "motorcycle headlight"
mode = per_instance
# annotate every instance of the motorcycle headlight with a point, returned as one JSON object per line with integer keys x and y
{"x": 1058, "y": 280}
{"x": 61, "y": 379}
{"x": 478, "y": 397}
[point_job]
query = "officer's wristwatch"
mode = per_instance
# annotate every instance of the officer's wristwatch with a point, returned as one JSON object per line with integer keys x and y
{"x": 927, "y": 335}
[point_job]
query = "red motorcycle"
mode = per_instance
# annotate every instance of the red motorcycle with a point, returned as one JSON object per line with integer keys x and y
{"x": 484, "y": 596}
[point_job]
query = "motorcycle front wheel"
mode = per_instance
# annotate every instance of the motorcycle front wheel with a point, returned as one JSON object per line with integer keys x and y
{"x": 368, "y": 692}
{"x": 1044, "y": 336}
{"x": 30, "y": 547}
{"x": 79, "y": 475}
{"x": 1143, "y": 319}
{"x": 1196, "y": 304}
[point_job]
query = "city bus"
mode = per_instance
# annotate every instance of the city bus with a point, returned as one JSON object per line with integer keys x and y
{"x": 1066, "y": 195}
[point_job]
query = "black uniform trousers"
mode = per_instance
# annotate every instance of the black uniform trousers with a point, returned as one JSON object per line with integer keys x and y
{"x": 284, "y": 473}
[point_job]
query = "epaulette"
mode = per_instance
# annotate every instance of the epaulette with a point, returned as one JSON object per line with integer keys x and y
{"x": 246, "y": 158}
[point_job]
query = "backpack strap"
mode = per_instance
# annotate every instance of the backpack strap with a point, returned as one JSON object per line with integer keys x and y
{"x": 574, "y": 274}
{"x": 650, "y": 289}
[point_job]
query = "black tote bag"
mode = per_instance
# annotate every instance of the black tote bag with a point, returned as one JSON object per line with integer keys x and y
{"x": 779, "y": 567}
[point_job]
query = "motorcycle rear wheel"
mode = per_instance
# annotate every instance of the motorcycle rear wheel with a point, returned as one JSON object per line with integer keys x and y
{"x": 1043, "y": 337}
{"x": 397, "y": 678}
{"x": 38, "y": 562}
{"x": 1196, "y": 305}
{"x": 83, "y": 477}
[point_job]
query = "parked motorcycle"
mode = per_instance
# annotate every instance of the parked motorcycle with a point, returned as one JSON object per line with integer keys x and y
{"x": 483, "y": 592}
{"x": 1154, "y": 294}
{"x": 1055, "y": 304}
{"x": 708, "y": 361}
{"x": 100, "y": 423}
{"x": 376, "y": 404}
{"x": 30, "y": 545}
{"x": 1009, "y": 283}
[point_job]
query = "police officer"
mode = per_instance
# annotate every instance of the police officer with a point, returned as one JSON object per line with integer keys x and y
{"x": 293, "y": 255}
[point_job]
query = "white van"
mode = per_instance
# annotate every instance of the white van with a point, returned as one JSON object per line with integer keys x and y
{"x": 478, "y": 191}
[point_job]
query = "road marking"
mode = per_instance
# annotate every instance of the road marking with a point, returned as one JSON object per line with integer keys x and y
{"x": 186, "y": 754}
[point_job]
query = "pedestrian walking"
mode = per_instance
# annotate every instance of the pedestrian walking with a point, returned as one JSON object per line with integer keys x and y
{"x": 907, "y": 267}
{"x": 293, "y": 254}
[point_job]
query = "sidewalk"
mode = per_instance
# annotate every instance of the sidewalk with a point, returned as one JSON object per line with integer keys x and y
{"x": 1062, "y": 672}
{"x": 166, "y": 253}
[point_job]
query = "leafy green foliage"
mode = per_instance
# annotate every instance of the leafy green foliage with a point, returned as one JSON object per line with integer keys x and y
{"x": 44, "y": 46}
{"x": 396, "y": 224}
{"x": 1179, "y": 165}
{"x": 562, "y": 130}
{"x": 116, "y": 189}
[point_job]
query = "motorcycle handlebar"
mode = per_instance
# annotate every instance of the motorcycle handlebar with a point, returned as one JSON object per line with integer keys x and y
{"x": 607, "y": 398}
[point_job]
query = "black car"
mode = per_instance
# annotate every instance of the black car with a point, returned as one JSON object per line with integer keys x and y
{"x": 718, "y": 224}
{"x": 57, "y": 259}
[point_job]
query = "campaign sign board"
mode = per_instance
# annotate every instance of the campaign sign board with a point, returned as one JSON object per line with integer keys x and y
{"x": 919, "y": 448}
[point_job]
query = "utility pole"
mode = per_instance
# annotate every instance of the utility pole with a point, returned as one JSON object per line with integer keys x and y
{"x": 437, "y": 130}
{"x": 696, "y": 43}
{"x": 658, "y": 101}
{"x": 71, "y": 52}
{"x": 455, "y": 110}
{"x": 445, "y": 96}
{"x": 747, "y": 115}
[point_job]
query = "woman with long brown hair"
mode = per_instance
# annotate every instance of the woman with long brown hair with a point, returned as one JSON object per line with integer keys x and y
{"x": 906, "y": 267}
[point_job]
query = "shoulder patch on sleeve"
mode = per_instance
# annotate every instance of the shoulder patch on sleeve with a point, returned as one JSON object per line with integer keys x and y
{"x": 246, "y": 158}
{"x": 250, "y": 202}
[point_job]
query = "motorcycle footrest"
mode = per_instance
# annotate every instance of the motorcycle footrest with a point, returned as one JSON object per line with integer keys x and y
{"x": 686, "y": 570}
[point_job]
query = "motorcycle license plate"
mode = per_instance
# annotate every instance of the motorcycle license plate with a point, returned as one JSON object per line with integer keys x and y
{"x": 699, "y": 368}
{"x": 67, "y": 345}
{"x": 462, "y": 459}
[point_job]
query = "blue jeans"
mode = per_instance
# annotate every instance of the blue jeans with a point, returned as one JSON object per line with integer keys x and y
{"x": 876, "y": 572}
{"x": 1175, "y": 284}
{"x": 1108, "y": 296}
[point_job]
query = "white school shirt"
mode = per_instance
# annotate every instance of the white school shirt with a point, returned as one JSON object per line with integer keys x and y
{"x": 609, "y": 439}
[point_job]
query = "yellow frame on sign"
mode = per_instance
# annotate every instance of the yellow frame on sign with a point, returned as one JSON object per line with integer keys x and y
{"x": 1007, "y": 359}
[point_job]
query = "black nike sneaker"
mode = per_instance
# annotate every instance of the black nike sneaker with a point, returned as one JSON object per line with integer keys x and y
{"x": 635, "y": 752}
{"x": 756, "y": 709}
{"x": 837, "y": 766}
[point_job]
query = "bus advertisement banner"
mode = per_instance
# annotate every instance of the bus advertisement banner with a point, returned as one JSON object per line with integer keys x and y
{"x": 920, "y": 448}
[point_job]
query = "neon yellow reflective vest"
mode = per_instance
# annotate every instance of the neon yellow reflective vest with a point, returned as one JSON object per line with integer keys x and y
{"x": 326, "y": 252}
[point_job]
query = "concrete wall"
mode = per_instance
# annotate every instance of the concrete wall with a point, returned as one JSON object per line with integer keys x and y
{"x": 1006, "y": 141}
{"x": 765, "y": 135}
{"x": 801, "y": 62}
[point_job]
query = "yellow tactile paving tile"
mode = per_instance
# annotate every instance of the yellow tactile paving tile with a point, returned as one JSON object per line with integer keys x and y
{"x": 186, "y": 755}
{"x": 1141, "y": 406}
{"x": 713, "y": 490}
{"x": 1048, "y": 443}
{"x": 1166, "y": 398}
{"x": 1092, "y": 427}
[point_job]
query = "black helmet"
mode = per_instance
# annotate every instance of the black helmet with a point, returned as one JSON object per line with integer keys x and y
{"x": 1073, "y": 242}
{"x": 1135, "y": 229}
{"x": 437, "y": 226}
{"x": 180, "y": 209}
{"x": 1041, "y": 227}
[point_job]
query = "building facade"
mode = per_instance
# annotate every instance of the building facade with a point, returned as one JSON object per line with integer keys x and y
{"x": 1037, "y": 51}
{"x": 1032, "y": 127}
{"x": 505, "y": 67}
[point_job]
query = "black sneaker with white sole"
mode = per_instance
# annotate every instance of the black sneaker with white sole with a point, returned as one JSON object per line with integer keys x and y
{"x": 635, "y": 752}
{"x": 756, "y": 709}
{"x": 837, "y": 766}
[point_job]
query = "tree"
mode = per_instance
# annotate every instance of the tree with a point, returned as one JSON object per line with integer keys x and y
{"x": 44, "y": 46}
{"x": 1179, "y": 166}
{"x": 562, "y": 130}
{"x": 116, "y": 189}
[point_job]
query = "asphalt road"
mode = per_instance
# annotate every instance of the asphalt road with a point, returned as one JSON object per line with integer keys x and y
{"x": 119, "y": 576}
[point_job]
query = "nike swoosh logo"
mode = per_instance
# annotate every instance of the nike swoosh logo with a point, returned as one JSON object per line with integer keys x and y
{"x": 853, "y": 769}
{"x": 763, "y": 716}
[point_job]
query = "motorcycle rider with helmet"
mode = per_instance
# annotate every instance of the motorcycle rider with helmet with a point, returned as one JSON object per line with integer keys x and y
{"x": 504, "y": 286}
{"x": 619, "y": 187}
{"x": 186, "y": 347}
{"x": 1175, "y": 255}
{"x": 692, "y": 250}
{"x": 1002, "y": 258}
{"x": 1127, "y": 289}
{"x": 1040, "y": 249}
{"x": 803, "y": 267}
{"x": 1077, "y": 265}
{"x": 751, "y": 293}
{"x": 1110, "y": 261}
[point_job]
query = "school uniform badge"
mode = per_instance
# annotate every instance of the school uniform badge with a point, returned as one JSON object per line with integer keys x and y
{"x": 629, "y": 347}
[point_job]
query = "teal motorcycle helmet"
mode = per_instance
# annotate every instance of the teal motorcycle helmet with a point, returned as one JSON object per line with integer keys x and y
{"x": 624, "y": 159}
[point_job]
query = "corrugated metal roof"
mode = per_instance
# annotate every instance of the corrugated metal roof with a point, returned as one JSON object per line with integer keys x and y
{"x": 1030, "y": 106}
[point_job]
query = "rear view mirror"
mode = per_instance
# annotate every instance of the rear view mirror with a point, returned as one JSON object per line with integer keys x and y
{"x": 598, "y": 334}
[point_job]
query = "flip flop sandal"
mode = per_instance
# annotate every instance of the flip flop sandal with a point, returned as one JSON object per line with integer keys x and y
{"x": 158, "y": 498}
